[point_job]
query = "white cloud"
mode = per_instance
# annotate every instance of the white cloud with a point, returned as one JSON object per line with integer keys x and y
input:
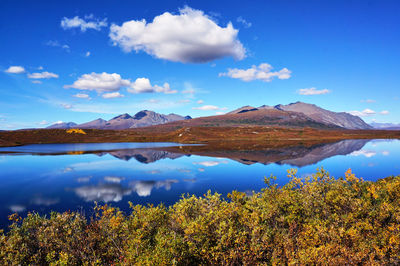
{"x": 89, "y": 23}
{"x": 43, "y": 123}
{"x": 368, "y": 101}
{"x": 210, "y": 163}
{"x": 17, "y": 208}
{"x": 262, "y": 72}
{"x": 66, "y": 106}
{"x": 189, "y": 90}
{"x": 365, "y": 153}
{"x": 36, "y": 81}
{"x": 209, "y": 108}
{"x": 384, "y": 112}
{"x": 40, "y": 68}
{"x": 143, "y": 85}
{"x": 113, "y": 179}
{"x": 15, "y": 70}
{"x": 100, "y": 82}
{"x": 312, "y": 91}
{"x": 153, "y": 101}
{"x": 105, "y": 82}
{"x": 385, "y": 153}
{"x": 42, "y": 75}
{"x": 82, "y": 96}
{"x": 112, "y": 95}
{"x": 188, "y": 37}
{"x": 87, "y": 54}
{"x": 200, "y": 101}
{"x": 245, "y": 23}
{"x": 184, "y": 101}
{"x": 58, "y": 44}
{"x": 365, "y": 112}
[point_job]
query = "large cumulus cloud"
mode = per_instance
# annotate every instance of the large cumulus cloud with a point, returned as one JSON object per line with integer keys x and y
{"x": 188, "y": 37}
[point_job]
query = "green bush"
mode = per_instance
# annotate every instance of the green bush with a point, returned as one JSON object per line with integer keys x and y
{"x": 316, "y": 220}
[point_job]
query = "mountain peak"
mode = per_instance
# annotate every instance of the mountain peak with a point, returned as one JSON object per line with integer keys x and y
{"x": 243, "y": 109}
{"x": 139, "y": 115}
{"x": 123, "y": 116}
{"x": 62, "y": 125}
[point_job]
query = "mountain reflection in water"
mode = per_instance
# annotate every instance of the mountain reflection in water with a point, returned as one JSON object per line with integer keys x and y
{"x": 60, "y": 177}
{"x": 294, "y": 155}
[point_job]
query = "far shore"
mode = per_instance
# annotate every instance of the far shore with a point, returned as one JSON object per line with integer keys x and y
{"x": 232, "y": 138}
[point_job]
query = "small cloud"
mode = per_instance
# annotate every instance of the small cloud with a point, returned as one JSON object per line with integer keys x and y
{"x": 90, "y": 23}
{"x": 368, "y": 101}
{"x": 200, "y": 102}
{"x": 43, "y": 123}
{"x": 40, "y": 68}
{"x": 87, "y": 54}
{"x": 143, "y": 85}
{"x": 36, "y": 82}
{"x": 210, "y": 163}
{"x": 113, "y": 179}
{"x": 365, "y": 153}
{"x": 15, "y": 70}
{"x": 66, "y": 106}
{"x": 312, "y": 91}
{"x": 365, "y": 112}
{"x": 384, "y": 112}
{"x": 83, "y": 179}
{"x": 42, "y": 75}
{"x": 209, "y": 108}
{"x": 99, "y": 82}
{"x": 189, "y": 91}
{"x": 219, "y": 113}
{"x": 17, "y": 208}
{"x": 82, "y": 96}
{"x": 385, "y": 153}
{"x": 58, "y": 44}
{"x": 112, "y": 95}
{"x": 245, "y": 23}
{"x": 153, "y": 101}
{"x": 184, "y": 101}
{"x": 261, "y": 72}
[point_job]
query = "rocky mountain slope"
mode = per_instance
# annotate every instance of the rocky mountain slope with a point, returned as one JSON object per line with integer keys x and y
{"x": 313, "y": 112}
{"x": 321, "y": 115}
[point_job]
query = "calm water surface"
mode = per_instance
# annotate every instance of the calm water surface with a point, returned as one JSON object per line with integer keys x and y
{"x": 64, "y": 177}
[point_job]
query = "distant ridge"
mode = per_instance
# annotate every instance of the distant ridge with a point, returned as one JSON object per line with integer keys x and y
{"x": 62, "y": 125}
{"x": 385, "y": 126}
{"x": 125, "y": 121}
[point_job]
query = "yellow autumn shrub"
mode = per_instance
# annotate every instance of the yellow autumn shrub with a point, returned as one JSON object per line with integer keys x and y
{"x": 315, "y": 220}
{"x": 75, "y": 131}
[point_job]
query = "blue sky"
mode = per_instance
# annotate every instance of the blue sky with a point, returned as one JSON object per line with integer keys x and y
{"x": 81, "y": 60}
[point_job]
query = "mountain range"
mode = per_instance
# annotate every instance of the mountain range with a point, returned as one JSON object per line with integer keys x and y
{"x": 143, "y": 118}
{"x": 296, "y": 114}
{"x": 385, "y": 126}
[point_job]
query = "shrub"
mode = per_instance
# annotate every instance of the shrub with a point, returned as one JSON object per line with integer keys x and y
{"x": 316, "y": 220}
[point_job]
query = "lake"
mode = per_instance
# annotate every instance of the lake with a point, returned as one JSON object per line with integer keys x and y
{"x": 61, "y": 177}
